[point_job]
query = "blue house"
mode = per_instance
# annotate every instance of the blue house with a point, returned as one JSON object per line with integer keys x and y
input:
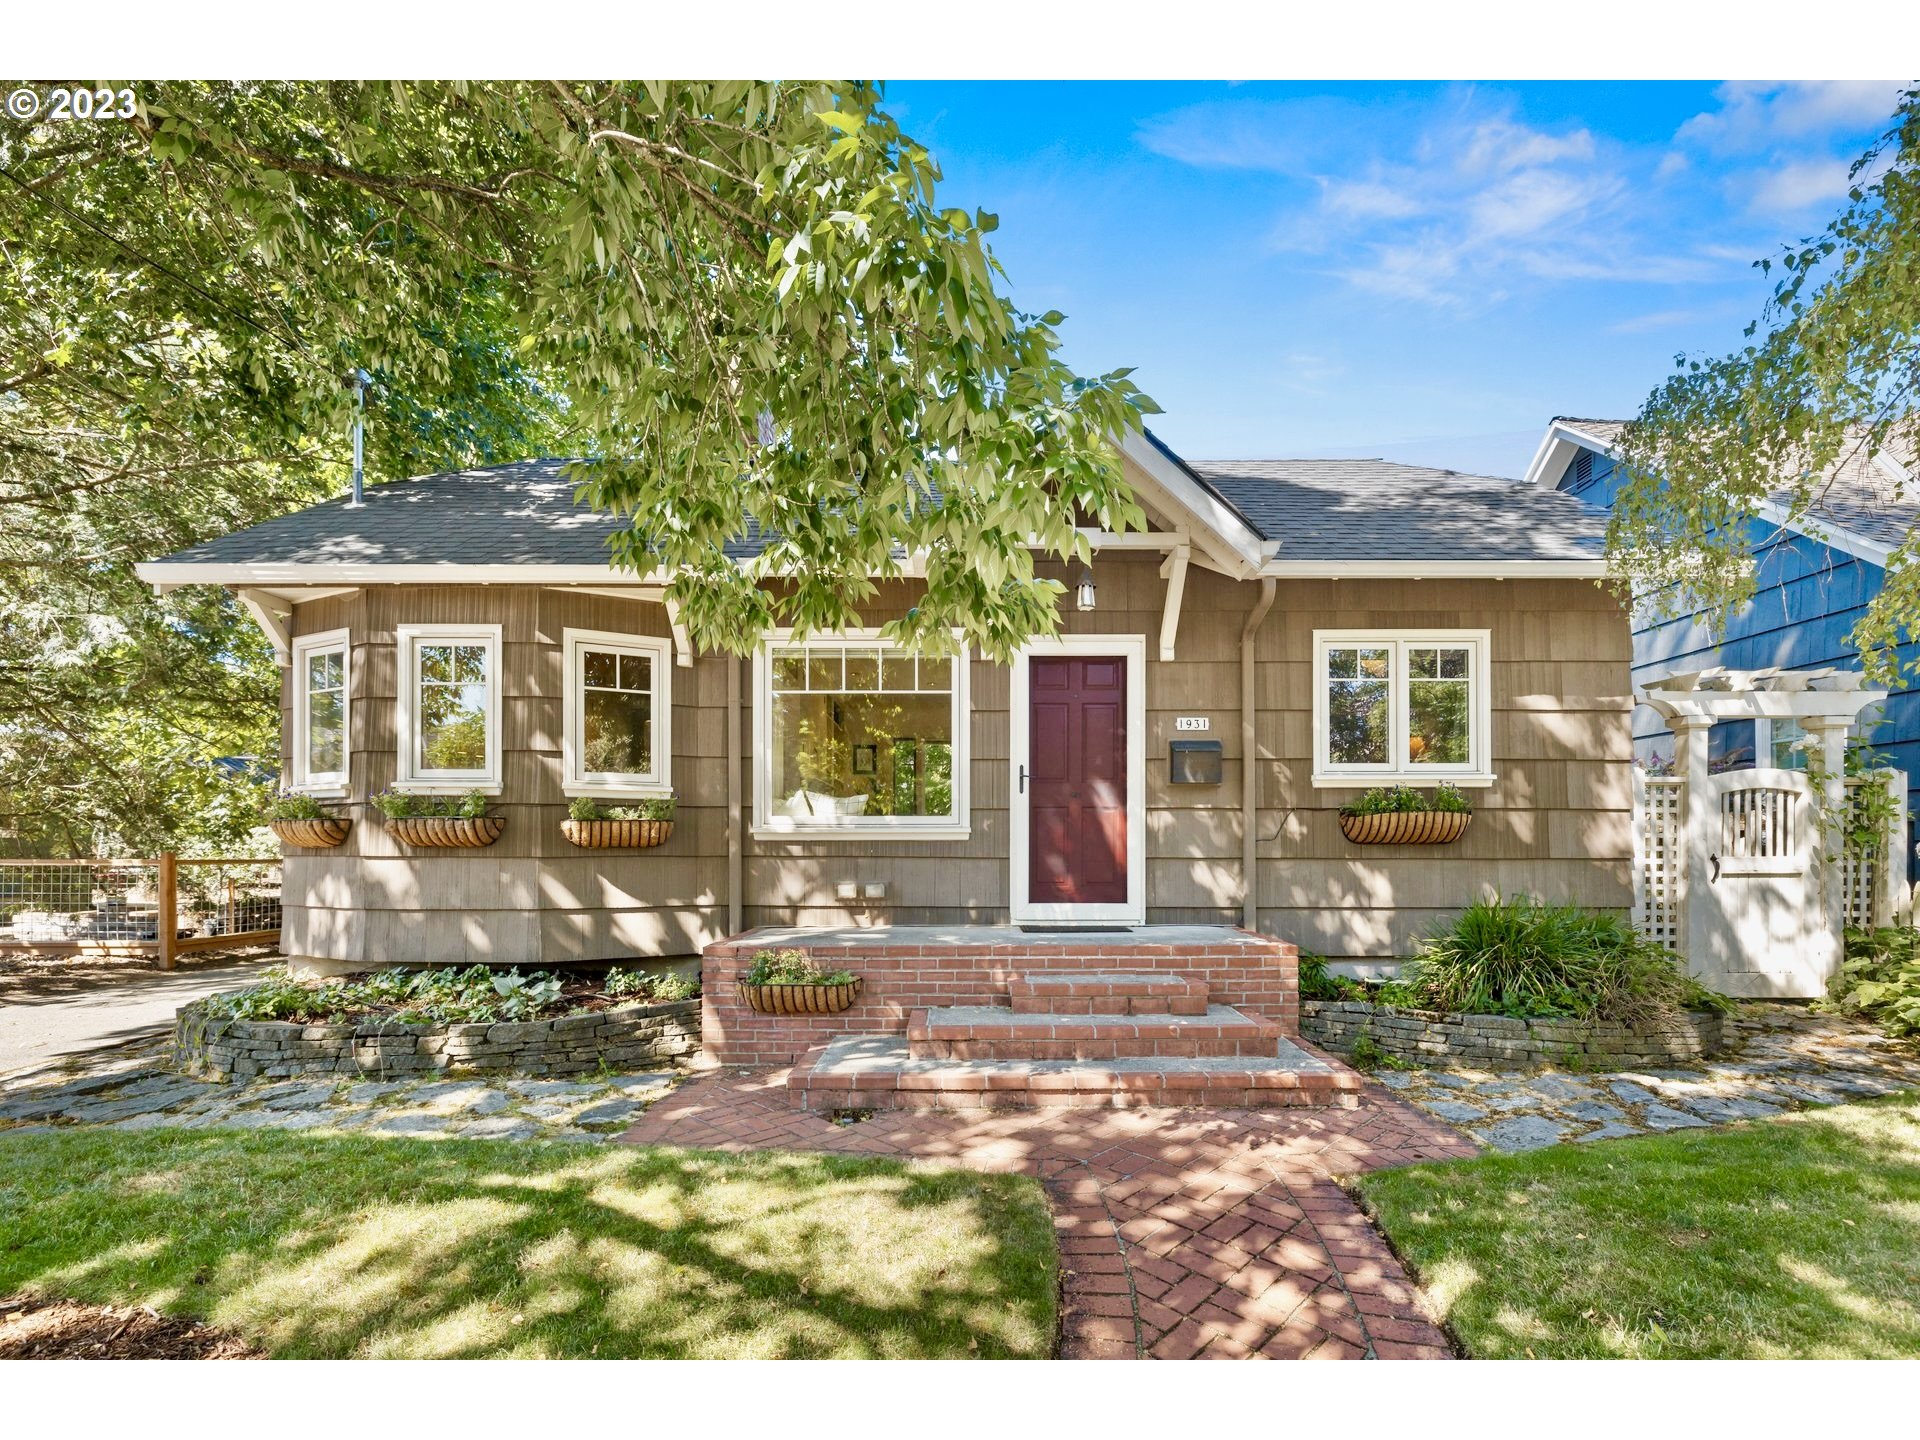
{"x": 1814, "y": 577}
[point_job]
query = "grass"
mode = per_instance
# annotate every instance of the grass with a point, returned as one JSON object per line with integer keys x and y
{"x": 358, "y": 1247}
{"x": 1792, "y": 1237}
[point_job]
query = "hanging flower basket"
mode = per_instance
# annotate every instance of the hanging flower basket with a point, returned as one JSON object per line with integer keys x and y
{"x": 447, "y": 832}
{"x": 1406, "y": 827}
{"x": 616, "y": 834}
{"x": 801, "y": 999}
{"x": 321, "y": 834}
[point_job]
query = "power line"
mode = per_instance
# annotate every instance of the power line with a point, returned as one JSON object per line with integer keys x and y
{"x": 297, "y": 345}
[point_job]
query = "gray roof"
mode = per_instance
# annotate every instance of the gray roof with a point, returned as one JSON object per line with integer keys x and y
{"x": 1868, "y": 495}
{"x": 518, "y": 514}
{"x": 1383, "y": 510}
{"x": 524, "y": 514}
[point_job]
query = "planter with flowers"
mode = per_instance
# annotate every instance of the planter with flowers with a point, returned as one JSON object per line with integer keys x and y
{"x": 788, "y": 982}
{"x": 299, "y": 820}
{"x": 440, "y": 822}
{"x": 1402, "y": 815}
{"x": 640, "y": 826}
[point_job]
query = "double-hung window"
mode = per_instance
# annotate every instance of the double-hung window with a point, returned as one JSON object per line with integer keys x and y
{"x": 1401, "y": 707}
{"x": 321, "y": 666}
{"x": 449, "y": 730}
{"x": 856, "y": 736}
{"x": 618, "y": 714}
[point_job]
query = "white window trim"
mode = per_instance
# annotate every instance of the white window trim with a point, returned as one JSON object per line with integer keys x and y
{"x": 768, "y": 826}
{"x": 576, "y": 780}
{"x": 332, "y": 783}
{"x": 1478, "y": 772}
{"x": 446, "y": 782}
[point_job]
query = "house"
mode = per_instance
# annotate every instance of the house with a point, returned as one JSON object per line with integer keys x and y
{"x": 1814, "y": 578}
{"x": 1284, "y": 634}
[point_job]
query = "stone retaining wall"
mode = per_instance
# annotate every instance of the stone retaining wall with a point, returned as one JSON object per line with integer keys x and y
{"x": 1427, "y": 1036}
{"x": 572, "y": 1045}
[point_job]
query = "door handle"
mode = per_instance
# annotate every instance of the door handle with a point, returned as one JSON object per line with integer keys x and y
{"x": 1023, "y": 779}
{"x": 1714, "y": 878}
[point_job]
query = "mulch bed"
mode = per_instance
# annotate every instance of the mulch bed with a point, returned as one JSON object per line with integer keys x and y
{"x": 67, "y": 1330}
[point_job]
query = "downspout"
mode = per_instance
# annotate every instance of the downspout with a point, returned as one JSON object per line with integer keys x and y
{"x": 735, "y": 907}
{"x": 1249, "y": 769}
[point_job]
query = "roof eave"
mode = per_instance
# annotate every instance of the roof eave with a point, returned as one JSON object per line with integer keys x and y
{"x": 1562, "y": 569}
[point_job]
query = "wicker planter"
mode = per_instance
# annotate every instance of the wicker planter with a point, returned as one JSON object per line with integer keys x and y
{"x": 616, "y": 834}
{"x": 322, "y": 834}
{"x": 447, "y": 832}
{"x": 799, "y": 999}
{"x": 1406, "y": 827}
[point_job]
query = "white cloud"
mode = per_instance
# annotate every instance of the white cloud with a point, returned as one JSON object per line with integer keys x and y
{"x": 1786, "y": 188}
{"x": 1761, "y": 115}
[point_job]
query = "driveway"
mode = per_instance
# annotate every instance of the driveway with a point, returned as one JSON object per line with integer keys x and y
{"x": 49, "y": 1015}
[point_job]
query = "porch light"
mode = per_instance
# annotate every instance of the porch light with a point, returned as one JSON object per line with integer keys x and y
{"x": 1086, "y": 587}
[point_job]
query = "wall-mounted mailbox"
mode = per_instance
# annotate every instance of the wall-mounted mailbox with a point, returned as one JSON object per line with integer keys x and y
{"x": 1193, "y": 762}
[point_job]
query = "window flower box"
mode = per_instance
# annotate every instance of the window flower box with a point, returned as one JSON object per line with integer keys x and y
{"x": 322, "y": 833}
{"x": 616, "y": 834}
{"x": 447, "y": 832}
{"x": 1405, "y": 827}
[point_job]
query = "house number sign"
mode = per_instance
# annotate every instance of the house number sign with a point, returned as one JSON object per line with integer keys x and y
{"x": 1192, "y": 722}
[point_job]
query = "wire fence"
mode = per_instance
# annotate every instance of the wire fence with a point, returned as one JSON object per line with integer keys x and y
{"x": 160, "y": 908}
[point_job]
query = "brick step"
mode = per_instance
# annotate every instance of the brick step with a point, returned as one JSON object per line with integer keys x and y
{"x": 1087, "y": 992}
{"x": 877, "y": 1072}
{"x": 990, "y": 1032}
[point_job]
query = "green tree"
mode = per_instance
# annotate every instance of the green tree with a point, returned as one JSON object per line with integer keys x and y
{"x": 740, "y": 302}
{"x": 1831, "y": 373}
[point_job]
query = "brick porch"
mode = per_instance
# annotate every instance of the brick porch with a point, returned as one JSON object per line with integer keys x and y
{"x": 1215, "y": 1234}
{"x": 908, "y": 968}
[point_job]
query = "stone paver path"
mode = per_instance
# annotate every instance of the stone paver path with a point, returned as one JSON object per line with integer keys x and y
{"x": 131, "y": 1089}
{"x": 1183, "y": 1233}
{"x": 1781, "y": 1057}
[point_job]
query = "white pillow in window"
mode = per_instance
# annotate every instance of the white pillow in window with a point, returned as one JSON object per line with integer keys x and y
{"x": 795, "y": 806}
{"x": 849, "y": 804}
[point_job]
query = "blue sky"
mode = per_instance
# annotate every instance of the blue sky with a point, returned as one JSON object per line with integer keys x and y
{"x": 1421, "y": 271}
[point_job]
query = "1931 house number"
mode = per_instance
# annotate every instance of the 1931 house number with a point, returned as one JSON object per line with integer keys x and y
{"x": 1192, "y": 722}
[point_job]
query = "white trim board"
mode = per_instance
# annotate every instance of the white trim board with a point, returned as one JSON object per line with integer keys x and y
{"x": 575, "y": 779}
{"x": 1561, "y": 443}
{"x": 406, "y": 639}
{"x": 1019, "y": 752}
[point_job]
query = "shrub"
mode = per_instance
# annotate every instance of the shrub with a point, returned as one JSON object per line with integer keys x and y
{"x": 791, "y": 967}
{"x": 662, "y": 988}
{"x": 1316, "y": 983}
{"x": 1385, "y": 800}
{"x": 475, "y": 995}
{"x": 407, "y": 805}
{"x": 292, "y": 805}
{"x": 585, "y": 807}
{"x": 1880, "y": 979}
{"x": 1521, "y": 957}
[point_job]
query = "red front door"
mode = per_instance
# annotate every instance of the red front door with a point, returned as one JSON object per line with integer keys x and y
{"x": 1077, "y": 780}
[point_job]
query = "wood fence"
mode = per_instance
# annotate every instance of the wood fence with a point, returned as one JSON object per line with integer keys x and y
{"x": 159, "y": 908}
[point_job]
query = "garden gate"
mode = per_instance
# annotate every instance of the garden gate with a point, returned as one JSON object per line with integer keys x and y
{"x": 1744, "y": 873}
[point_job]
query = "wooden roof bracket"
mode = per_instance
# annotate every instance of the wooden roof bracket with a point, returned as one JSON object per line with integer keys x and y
{"x": 273, "y": 615}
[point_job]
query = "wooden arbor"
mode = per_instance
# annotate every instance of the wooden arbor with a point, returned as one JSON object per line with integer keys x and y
{"x": 1756, "y": 874}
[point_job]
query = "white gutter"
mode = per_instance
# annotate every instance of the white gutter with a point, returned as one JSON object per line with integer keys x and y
{"x": 1435, "y": 569}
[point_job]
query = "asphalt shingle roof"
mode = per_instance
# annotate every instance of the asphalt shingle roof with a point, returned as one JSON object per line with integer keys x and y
{"x": 1383, "y": 510}
{"x": 518, "y": 514}
{"x": 1863, "y": 495}
{"x": 524, "y": 514}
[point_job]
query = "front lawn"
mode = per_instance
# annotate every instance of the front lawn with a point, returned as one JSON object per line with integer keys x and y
{"x": 356, "y": 1246}
{"x": 1798, "y": 1236}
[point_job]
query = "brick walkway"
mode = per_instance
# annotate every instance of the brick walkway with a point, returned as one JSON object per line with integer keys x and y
{"x": 1183, "y": 1233}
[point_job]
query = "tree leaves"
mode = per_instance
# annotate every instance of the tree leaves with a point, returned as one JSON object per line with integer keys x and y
{"x": 1832, "y": 378}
